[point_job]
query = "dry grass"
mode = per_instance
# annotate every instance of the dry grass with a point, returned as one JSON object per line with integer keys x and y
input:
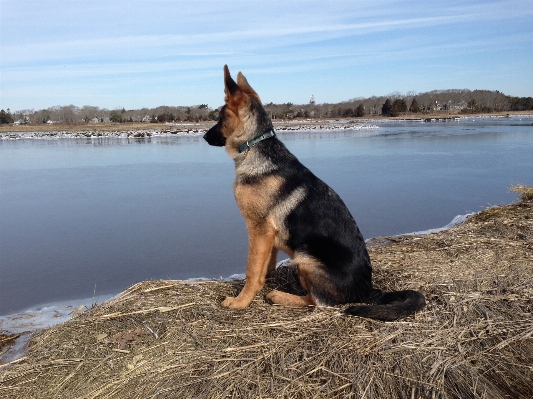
{"x": 6, "y": 341}
{"x": 171, "y": 339}
{"x": 525, "y": 193}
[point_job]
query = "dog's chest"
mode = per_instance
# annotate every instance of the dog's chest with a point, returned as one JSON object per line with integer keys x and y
{"x": 262, "y": 204}
{"x": 255, "y": 200}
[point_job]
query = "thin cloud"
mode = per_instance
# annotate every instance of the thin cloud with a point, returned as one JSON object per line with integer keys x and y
{"x": 81, "y": 50}
{"x": 298, "y": 32}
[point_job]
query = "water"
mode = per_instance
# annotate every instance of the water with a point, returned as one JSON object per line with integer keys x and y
{"x": 84, "y": 218}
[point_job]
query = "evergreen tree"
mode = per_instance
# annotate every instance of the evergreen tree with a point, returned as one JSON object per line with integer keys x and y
{"x": 395, "y": 110}
{"x": 472, "y": 105}
{"x": 386, "y": 109}
{"x": 5, "y": 117}
{"x": 360, "y": 111}
{"x": 521, "y": 103}
{"x": 399, "y": 106}
{"x": 115, "y": 117}
{"x": 402, "y": 106}
{"x": 213, "y": 115}
{"x": 348, "y": 112}
{"x": 414, "y": 106}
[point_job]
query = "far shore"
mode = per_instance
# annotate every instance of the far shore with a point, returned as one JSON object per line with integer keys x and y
{"x": 202, "y": 125}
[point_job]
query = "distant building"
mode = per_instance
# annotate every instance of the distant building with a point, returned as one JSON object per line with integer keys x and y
{"x": 312, "y": 100}
{"x": 22, "y": 121}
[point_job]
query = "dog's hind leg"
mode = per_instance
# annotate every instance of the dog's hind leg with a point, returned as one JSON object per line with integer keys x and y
{"x": 320, "y": 289}
{"x": 286, "y": 299}
{"x": 307, "y": 268}
{"x": 259, "y": 260}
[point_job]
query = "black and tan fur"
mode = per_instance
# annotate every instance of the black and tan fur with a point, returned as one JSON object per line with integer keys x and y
{"x": 286, "y": 207}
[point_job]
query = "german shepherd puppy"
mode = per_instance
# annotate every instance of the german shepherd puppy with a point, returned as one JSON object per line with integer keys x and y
{"x": 286, "y": 207}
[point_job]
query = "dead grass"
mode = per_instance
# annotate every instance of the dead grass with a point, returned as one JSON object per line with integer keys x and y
{"x": 525, "y": 193}
{"x": 6, "y": 340}
{"x": 171, "y": 339}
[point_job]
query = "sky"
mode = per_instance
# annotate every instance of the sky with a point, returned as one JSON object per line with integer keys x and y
{"x": 132, "y": 54}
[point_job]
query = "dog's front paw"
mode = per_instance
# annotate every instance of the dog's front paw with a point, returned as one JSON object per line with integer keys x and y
{"x": 233, "y": 303}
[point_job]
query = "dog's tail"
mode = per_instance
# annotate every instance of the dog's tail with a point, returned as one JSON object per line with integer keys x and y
{"x": 389, "y": 306}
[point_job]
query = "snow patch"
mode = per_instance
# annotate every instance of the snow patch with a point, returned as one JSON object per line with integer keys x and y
{"x": 455, "y": 221}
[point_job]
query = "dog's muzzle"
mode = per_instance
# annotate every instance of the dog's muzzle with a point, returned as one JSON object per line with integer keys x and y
{"x": 215, "y": 137}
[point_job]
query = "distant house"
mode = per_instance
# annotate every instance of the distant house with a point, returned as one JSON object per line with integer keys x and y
{"x": 94, "y": 120}
{"x": 461, "y": 105}
{"x": 21, "y": 121}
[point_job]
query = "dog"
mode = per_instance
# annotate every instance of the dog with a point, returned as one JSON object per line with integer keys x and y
{"x": 286, "y": 207}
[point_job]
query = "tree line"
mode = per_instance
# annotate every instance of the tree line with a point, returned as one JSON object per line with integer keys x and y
{"x": 73, "y": 115}
{"x": 395, "y": 104}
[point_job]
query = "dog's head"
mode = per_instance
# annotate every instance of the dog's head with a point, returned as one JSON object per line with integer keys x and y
{"x": 241, "y": 118}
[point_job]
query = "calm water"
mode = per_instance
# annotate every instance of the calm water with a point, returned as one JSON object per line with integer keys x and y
{"x": 84, "y": 216}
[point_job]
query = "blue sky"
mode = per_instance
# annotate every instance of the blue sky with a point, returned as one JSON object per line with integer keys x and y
{"x": 135, "y": 54}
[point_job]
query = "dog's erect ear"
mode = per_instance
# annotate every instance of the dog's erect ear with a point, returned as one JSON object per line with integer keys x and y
{"x": 230, "y": 86}
{"x": 234, "y": 94}
{"x": 245, "y": 86}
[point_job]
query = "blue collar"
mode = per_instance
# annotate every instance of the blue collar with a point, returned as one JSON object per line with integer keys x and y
{"x": 249, "y": 144}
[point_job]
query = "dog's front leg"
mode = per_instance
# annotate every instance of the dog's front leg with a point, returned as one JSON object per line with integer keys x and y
{"x": 259, "y": 257}
{"x": 271, "y": 265}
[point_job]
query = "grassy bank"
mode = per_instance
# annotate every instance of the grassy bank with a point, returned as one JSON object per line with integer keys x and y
{"x": 171, "y": 338}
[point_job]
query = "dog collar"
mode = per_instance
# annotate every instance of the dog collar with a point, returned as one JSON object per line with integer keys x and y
{"x": 249, "y": 144}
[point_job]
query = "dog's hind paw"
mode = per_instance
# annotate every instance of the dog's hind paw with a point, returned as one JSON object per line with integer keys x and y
{"x": 275, "y": 297}
{"x": 234, "y": 303}
{"x": 286, "y": 299}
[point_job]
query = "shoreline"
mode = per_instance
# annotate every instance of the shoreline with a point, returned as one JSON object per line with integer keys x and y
{"x": 169, "y": 130}
{"x": 17, "y": 328}
{"x": 75, "y": 305}
{"x": 139, "y": 130}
